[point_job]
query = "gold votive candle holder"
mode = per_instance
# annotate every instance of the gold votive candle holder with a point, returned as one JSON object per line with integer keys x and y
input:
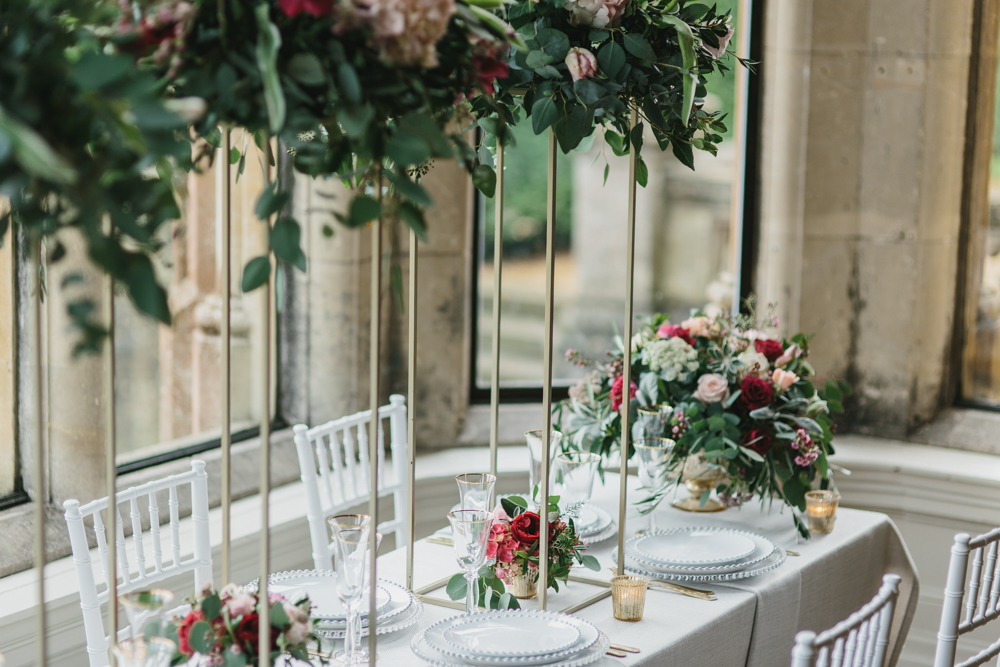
{"x": 628, "y": 597}
{"x": 821, "y": 510}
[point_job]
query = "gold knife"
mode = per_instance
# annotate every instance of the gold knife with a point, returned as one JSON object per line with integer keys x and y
{"x": 622, "y": 647}
{"x": 616, "y": 653}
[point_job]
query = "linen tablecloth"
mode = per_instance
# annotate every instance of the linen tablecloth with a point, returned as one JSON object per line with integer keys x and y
{"x": 754, "y": 621}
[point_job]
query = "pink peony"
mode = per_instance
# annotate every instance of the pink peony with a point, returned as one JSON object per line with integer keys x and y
{"x": 298, "y": 632}
{"x": 712, "y": 388}
{"x": 701, "y": 326}
{"x": 783, "y": 379}
{"x": 598, "y": 14}
{"x": 582, "y": 63}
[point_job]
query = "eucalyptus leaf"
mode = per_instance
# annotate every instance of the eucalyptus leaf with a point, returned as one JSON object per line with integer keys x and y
{"x": 268, "y": 44}
{"x": 543, "y": 113}
{"x": 200, "y": 638}
{"x": 611, "y": 59}
{"x": 350, "y": 86}
{"x": 285, "y": 237}
{"x": 306, "y": 68}
{"x": 256, "y": 273}
{"x": 689, "y": 57}
{"x": 553, "y": 42}
{"x": 33, "y": 153}
{"x": 638, "y": 46}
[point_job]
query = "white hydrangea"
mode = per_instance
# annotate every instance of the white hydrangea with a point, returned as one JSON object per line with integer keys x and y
{"x": 751, "y": 357}
{"x": 672, "y": 358}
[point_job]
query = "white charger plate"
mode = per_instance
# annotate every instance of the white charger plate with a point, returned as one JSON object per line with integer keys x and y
{"x": 403, "y": 611}
{"x": 695, "y": 546}
{"x": 775, "y": 560}
{"x": 321, "y": 587}
{"x": 588, "y": 648}
{"x": 602, "y": 524}
{"x": 765, "y": 548}
{"x": 521, "y": 635}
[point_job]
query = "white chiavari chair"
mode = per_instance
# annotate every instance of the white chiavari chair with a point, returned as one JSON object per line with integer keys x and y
{"x": 860, "y": 640}
{"x": 982, "y": 604}
{"x": 333, "y": 460}
{"x": 137, "y": 570}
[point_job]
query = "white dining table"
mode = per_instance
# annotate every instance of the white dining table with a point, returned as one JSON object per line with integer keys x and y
{"x": 752, "y": 623}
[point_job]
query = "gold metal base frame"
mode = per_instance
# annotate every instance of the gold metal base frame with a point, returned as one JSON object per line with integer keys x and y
{"x": 422, "y": 592}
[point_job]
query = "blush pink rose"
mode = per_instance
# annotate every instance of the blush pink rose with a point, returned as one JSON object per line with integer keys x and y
{"x": 582, "y": 63}
{"x": 700, "y": 326}
{"x": 712, "y": 388}
{"x": 793, "y": 352}
{"x": 599, "y": 14}
{"x": 240, "y": 604}
{"x": 298, "y": 632}
{"x": 783, "y": 379}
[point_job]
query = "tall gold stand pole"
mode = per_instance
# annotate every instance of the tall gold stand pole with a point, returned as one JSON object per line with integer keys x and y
{"x": 264, "y": 635}
{"x": 738, "y": 187}
{"x": 411, "y": 415}
{"x": 225, "y": 283}
{"x": 110, "y": 453}
{"x": 38, "y": 470}
{"x": 373, "y": 443}
{"x": 543, "y": 491}
{"x": 497, "y": 269}
{"x": 633, "y": 163}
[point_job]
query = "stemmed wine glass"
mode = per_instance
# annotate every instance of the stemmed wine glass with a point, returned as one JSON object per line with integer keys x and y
{"x": 470, "y": 531}
{"x": 654, "y": 466}
{"x": 351, "y": 533}
{"x": 476, "y": 490}
{"x": 575, "y": 473}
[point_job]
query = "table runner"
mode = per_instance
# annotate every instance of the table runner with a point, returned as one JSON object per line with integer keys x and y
{"x": 754, "y": 621}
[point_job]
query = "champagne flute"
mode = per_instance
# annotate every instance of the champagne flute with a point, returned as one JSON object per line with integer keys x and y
{"x": 470, "y": 531}
{"x": 356, "y": 527}
{"x": 475, "y": 489}
{"x": 654, "y": 465}
{"x": 534, "y": 440}
{"x": 575, "y": 473}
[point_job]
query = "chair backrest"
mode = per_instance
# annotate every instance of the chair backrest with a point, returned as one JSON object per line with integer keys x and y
{"x": 333, "y": 460}
{"x": 137, "y": 570}
{"x": 860, "y": 640}
{"x": 982, "y": 604}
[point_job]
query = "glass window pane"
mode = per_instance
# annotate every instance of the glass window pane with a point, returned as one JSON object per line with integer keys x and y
{"x": 684, "y": 252}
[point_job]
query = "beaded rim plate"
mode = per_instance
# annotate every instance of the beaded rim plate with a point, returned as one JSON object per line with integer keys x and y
{"x": 603, "y": 523}
{"x": 775, "y": 560}
{"x": 299, "y": 582}
{"x": 592, "y": 652}
{"x": 489, "y": 635}
{"x": 765, "y": 548}
{"x": 406, "y": 602}
{"x": 696, "y": 545}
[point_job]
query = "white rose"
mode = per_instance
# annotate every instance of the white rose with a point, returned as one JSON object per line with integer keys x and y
{"x": 751, "y": 358}
{"x": 712, "y": 388}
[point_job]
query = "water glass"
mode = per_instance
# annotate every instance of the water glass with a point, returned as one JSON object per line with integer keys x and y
{"x": 575, "y": 473}
{"x": 534, "y": 440}
{"x": 654, "y": 456}
{"x": 654, "y": 420}
{"x": 470, "y": 532}
{"x": 475, "y": 489}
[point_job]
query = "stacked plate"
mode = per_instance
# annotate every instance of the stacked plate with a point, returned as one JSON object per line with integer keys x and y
{"x": 701, "y": 554}
{"x": 396, "y": 607}
{"x": 593, "y": 523}
{"x": 511, "y": 639}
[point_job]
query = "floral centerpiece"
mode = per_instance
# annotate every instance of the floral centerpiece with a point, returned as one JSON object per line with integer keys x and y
{"x": 743, "y": 405}
{"x": 512, "y": 550}
{"x": 225, "y": 627}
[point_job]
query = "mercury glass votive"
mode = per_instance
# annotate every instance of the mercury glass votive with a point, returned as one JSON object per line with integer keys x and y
{"x": 628, "y": 597}
{"x": 821, "y": 510}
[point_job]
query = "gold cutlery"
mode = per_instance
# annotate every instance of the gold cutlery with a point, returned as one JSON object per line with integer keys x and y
{"x": 616, "y": 653}
{"x": 444, "y": 541}
{"x": 622, "y": 647}
{"x": 792, "y": 553}
{"x": 677, "y": 588}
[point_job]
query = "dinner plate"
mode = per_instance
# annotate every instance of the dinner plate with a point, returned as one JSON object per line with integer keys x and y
{"x": 584, "y": 651}
{"x": 522, "y": 635}
{"x": 321, "y": 587}
{"x": 599, "y": 526}
{"x": 773, "y": 561}
{"x": 765, "y": 548}
{"x": 695, "y": 546}
{"x": 403, "y": 611}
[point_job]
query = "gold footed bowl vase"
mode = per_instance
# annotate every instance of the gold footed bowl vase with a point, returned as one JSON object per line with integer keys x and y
{"x": 699, "y": 477}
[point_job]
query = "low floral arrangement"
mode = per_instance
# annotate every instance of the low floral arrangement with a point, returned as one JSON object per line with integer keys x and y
{"x": 513, "y": 552}
{"x": 742, "y": 403}
{"x": 225, "y": 627}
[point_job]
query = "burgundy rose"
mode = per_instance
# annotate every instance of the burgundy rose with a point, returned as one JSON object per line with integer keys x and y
{"x": 489, "y": 70}
{"x": 769, "y": 348}
{"x": 755, "y": 392}
{"x": 524, "y": 527}
{"x": 616, "y": 392}
{"x": 247, "y": 633}
{"x": 314, "y": 7}
{"x": 758, "y": 440}
{"x": 674, "y": 331}
{"x": 184, "y": 632}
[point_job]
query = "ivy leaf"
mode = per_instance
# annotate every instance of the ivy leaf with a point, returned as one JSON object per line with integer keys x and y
{"x": 639, "y": 47}
{"x": 685, "y": 38}
{"x": 256, "y": 273}
{"x": 611, "y": 58}
{"x": 268, "y": 44}
{"x": 554, "y": 42}
{"x": 543, "y": 113}
{"x": 285, "y": 237}
{"x": 485, "y": 179}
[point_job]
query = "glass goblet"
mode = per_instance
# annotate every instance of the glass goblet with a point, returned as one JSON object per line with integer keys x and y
{"x": 145, "y": 612}
{"x": 475, "y": 489}
{"x": 470, "y": 531}
{"x": 575, "y": 473}
{"x": 654, "y": 420}
{"x": 654, "y": 456}
{"x": 534, "y": 440}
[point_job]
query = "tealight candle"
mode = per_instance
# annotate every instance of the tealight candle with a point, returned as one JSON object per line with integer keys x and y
{"x": 628, "y": 597}
{"x": 821, "y": 510}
